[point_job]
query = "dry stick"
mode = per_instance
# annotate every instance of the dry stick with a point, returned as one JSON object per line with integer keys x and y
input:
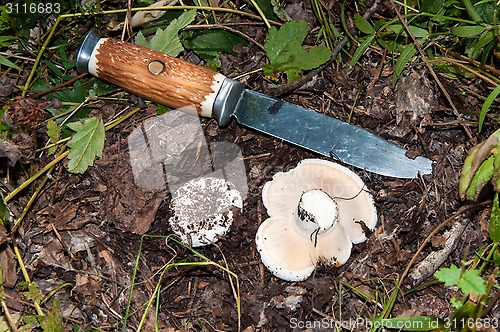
{"x": 491, "y": 305}
{"x": 10, "y": 319}
{"x": 469, "y": 60}
{"x": 127, "y": 29}
{"x": 377, "y": 74}
{"x": 55, "y": 88}
{"x": 472, "y": 71}
{"x": 433, "y": 73}
{"x": 429, "y": 237}
{"x": 285, "y": 88}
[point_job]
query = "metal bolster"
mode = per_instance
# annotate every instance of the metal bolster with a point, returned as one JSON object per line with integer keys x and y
{"x": 226, "y": 101}
{"x": 85, "y": 51}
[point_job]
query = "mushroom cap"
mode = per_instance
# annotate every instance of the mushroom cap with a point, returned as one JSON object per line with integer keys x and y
{"x": 289, "y": 253}
{"x": 203, "y": 210}
{"x": 281, "y": 195}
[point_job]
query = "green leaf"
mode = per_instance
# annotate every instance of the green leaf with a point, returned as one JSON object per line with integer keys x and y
{"x": 475, "y": 159}
{"x": 495, "y": 220}
{"x": 86, "y": 144}
{"x": 408, "y": 53}
{"x": 6, "y": 40}
{"x": 416, "y": 31}
{"x": 467, "y": 30}
{"x": 471, "y": 282}
{"x": 432, "y": 6}
{"x": 361, "y": 50}
{"x": 6, "y": 62}
{"x": 363, "y": 25}
{"x": 486, "y": 106}
{"x": 167, "y": 40}
{"x": 280, "y": 12}
{"x": 208, "y": 43}
{"x": 53, "y": 68}
{"x": 54, "y": 133}
{"x": 449, "y": 275}
{"x": 31, "y": 291}
{"x": 495, "y": 179}
{"x": 4, "y": 211}
{"x": 6, "y": 22}
{"x": 52, "y": 322}
{"x": 481, "y": 178}
{"x": 486, "y": 38}
{"x": 270, "y": 9}
{"x": 496, "y": 257}
{"x": 463, "y": 311}
{"x": 286, "y": 54}
{"x": 471, "y": 10}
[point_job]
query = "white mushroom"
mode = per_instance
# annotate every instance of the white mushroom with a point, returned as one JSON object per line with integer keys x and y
{"x": 202, "y": 210}
{"x": 316, "y": 212}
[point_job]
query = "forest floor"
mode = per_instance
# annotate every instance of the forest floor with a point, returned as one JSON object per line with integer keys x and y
{"x": 84, "y": 234}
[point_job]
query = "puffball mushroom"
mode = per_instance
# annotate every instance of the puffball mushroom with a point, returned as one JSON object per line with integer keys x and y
{"x": 316, "y": 212}
{"x": 203, "y": 210}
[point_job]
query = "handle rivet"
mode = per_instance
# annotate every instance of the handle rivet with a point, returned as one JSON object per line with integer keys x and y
{"x": 156, "y": 67}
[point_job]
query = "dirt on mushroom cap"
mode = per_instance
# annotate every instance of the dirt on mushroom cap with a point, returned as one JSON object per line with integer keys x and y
{"x": 203, "y": 210}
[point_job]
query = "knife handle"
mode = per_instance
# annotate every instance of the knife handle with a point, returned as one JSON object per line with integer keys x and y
{"x": 159, "y": 77}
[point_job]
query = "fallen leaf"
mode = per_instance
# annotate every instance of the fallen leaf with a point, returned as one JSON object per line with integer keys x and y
{"x": 8, "y": 267}
{"x": 86, "y": 144}
{"x": 143, "y": 17}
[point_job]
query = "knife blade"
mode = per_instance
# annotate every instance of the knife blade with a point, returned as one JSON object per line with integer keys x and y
{"x": 177, "y": 83}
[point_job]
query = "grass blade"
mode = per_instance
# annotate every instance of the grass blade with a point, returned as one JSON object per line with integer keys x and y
{"x": 495, "y": 220}
{"x": 361, "y": 50}
{"x": 408, "y": 53}
{"x": 467, "y": 30}
{"x": 486, "y": 106}
{"x": 6, "y": 62}
{"x": 363, "y": 25}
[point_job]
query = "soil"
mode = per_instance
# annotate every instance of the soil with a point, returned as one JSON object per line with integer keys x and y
{"x": 84, "y": 233}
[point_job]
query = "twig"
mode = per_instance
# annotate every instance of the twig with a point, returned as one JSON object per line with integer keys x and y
{"x": 435, "y": 259}
{"x": 26, "y": 183}
{"x": 10, "y": 319}
{"x": 433, "y": 73}
{"x": 261, "y": 13}
{"x": 429, "y": 237}
{"x": 491, "y": 305}
{"x": 377, "y": 74}
{"x": 463, "y": 66}
{"x": 286, "y": 88}
{"x": 55, "y": 88}
{"x": 469, "y": 60}
{"x": 26, "y": 276}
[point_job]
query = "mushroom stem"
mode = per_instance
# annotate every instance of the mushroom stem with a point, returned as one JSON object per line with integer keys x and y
{"x": 317, "y": 212}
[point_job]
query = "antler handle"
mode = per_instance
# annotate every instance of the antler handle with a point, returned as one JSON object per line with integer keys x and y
{"x": 157, "y": 76}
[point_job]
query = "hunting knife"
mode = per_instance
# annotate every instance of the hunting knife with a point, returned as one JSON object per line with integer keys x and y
{"x": 179, "y": 84}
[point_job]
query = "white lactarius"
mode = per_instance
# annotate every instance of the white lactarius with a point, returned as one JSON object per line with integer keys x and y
{"x": 203, "y": 210}
{"x": 316, "y": 212}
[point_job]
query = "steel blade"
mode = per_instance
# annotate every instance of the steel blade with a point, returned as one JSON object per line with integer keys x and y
{"x": 327, "y": 136}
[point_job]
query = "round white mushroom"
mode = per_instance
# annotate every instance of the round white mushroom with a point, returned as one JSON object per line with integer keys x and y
{"x": 316, "y": 212}
{"x": 203, "y": 210}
